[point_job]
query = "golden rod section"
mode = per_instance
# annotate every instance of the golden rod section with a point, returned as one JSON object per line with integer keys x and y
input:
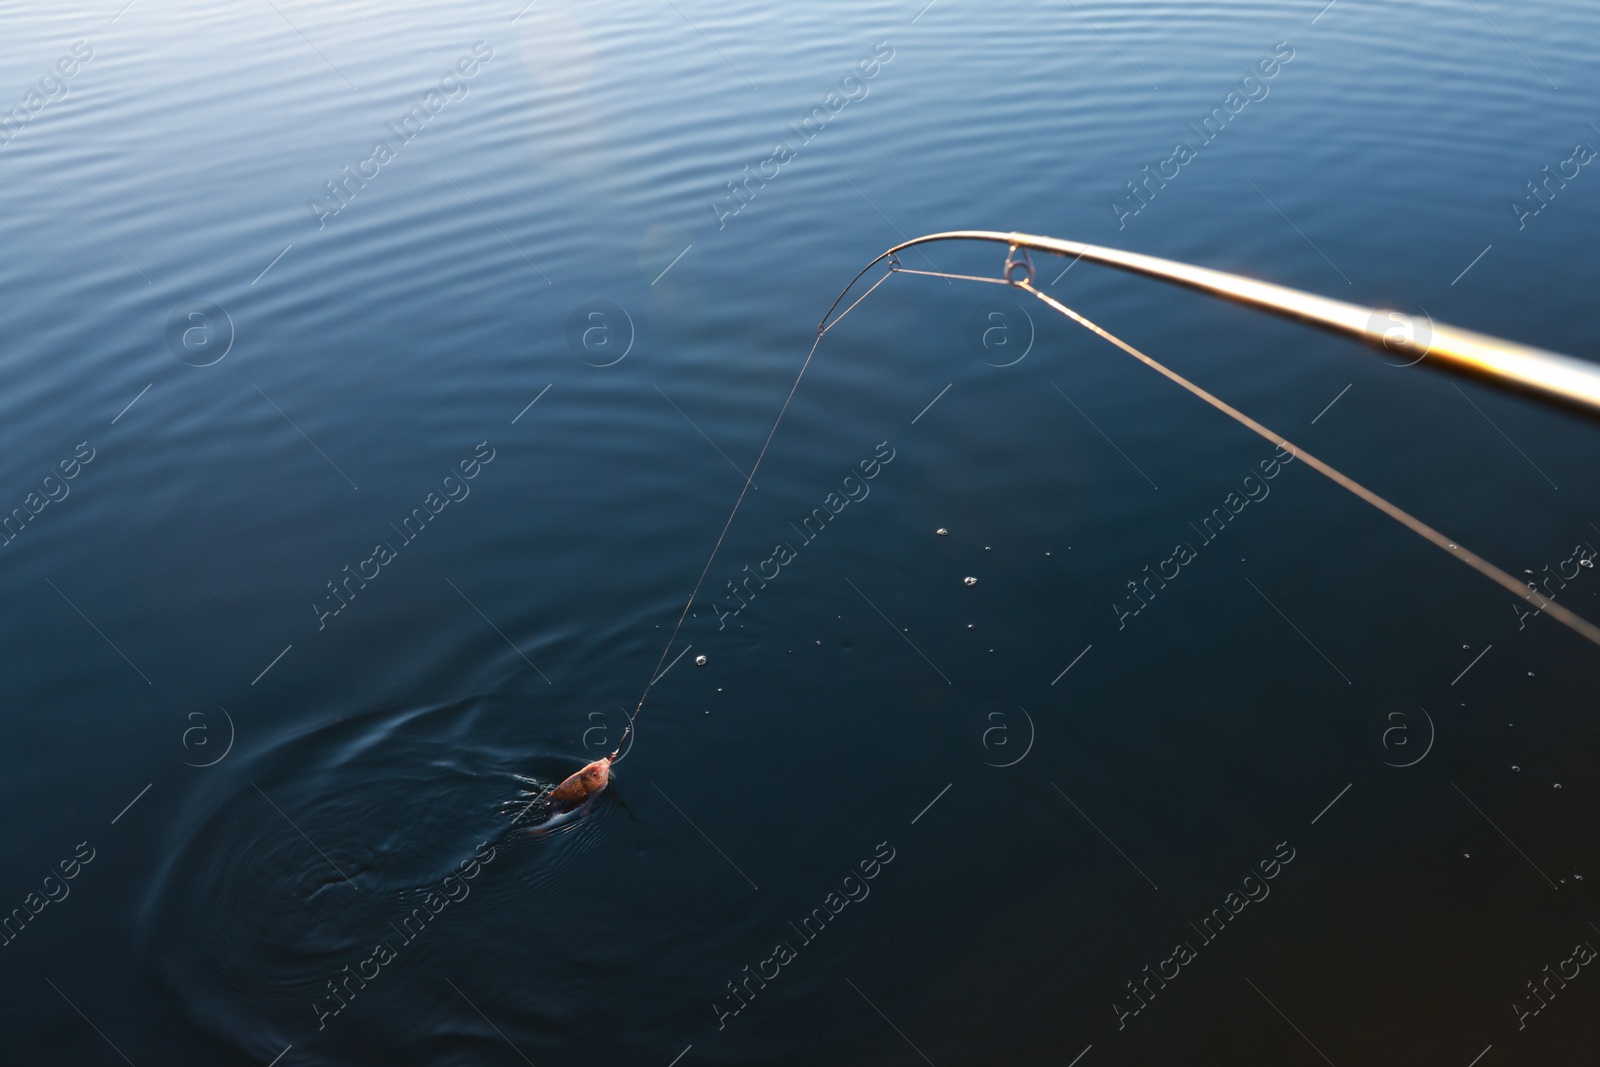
{"x": 1504, "y": 363}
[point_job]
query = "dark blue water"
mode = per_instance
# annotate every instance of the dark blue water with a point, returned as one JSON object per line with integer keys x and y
{"x": 349, "y": 515}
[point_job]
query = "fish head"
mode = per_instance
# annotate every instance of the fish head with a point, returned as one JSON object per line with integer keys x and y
{"x": 596, "y": 776}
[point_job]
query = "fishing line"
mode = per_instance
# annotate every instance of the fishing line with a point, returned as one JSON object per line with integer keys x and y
{"x": 1273, "y": 298}
{"x": 822, "y": 330}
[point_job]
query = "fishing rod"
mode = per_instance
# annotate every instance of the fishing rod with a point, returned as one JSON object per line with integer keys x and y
{"x": 1547, "y": 376}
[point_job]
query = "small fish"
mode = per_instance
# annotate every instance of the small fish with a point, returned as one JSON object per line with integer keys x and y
{"x": 578, "y": 789}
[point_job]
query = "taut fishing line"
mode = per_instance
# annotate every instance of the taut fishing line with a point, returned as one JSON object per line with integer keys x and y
{"x": 1528, "y": 368}
{"x": 749, "y": 479}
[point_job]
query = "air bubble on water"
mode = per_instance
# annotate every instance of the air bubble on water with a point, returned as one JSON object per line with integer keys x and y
{"x": 969, "y": 581}
{"x": 1530, "y": 674}
{"x": 699, "y": 661}
{"x": 819, "y": 642}
{"x": 942, "y": 532}
{"x": 1466, "y": 646}
{"x": 1526, "y": 571}
{"x": 969, "y": 626}
{"x": 1556, "y": 786}
{"x": 1516, "y": 768}
{"x": 1047, "y": 553}
{"x": 1577, "y": 878}
{"x": 986, "y": 548}
{"x": 1466, "y": 855}
{"x": 1590, "y": 564}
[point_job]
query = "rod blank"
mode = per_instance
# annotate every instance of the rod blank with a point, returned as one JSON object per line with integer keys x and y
{"x": 1506, "y": 364}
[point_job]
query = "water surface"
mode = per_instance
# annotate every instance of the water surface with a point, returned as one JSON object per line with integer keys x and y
{"x": 274, "y": 777}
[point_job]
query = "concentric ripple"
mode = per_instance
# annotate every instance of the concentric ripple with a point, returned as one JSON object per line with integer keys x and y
{"x": 335, "y": 860}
